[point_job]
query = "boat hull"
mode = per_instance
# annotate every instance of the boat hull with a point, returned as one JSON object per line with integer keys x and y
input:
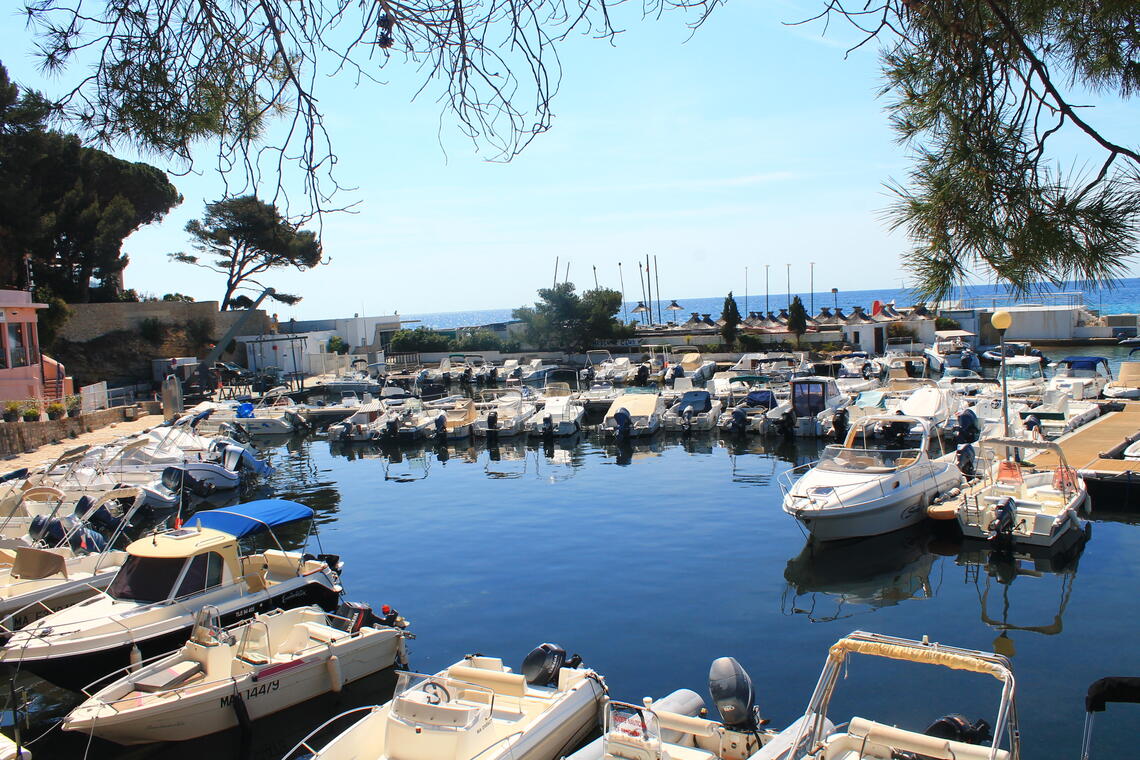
{"x": 76, "y": 670}
{"x": 873, "y": 519}
{"x": 199, "y": 713}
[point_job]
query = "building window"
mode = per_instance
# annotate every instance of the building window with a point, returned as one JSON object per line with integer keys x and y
{"x": 855, "y": 338}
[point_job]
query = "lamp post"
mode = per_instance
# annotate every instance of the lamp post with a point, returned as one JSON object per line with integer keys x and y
{"x": 835, "y": 298}
{"x": 811, "y": 287}
{"x": 789, "y": 286}
{"x": 767, "y": 306}
{"x": 1001, "y": 320}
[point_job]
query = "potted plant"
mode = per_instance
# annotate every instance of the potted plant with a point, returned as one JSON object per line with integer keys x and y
{"x": 31, "y": 411}
{"x": 74, "y": 405}
{"x": 11, "y": 411}
{"x": 55, "y": 410}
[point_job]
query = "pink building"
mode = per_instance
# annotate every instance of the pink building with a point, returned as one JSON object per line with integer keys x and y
{"x": 24, "y": 372}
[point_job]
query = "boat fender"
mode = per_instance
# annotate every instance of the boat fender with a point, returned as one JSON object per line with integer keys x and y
{"x": 683, "y": 702}
{"x": 336, "y": 677}
{"x": 241, "y": 712}
{"x": 135, "y": 657}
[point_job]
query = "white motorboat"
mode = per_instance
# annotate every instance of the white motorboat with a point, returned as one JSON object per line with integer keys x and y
{"x": 618, "y": 373}
{"x": 510, "y": 370}
{"x": 599, "y": 396}
{"x": 477, "y": 709}
{"x": 675, "y": 727}
{"x": 938, "y": 407}
{"x": 150, "y": 605}
{"x": 809, "y": 411}
{"x": 1081, "y": 377}
{"x": 960, "y": 379}
{"x": 361, "y": 425}
{"x": 323, "y": 414}
{"x": 695, "y": 411}
{"x": 502, "y": 414}
{"x": 1057, "y": 414}
{"x": 879, "y": 480}
{"x": 634, "y": 414}
{"x": 270, "y": 662}
{"x": 1020, "y": 504}
{"x": 1127, "y": 383}
{"x": 355, "y": 378}
{"x": 535, "y": 371}
{"x": 750, "y": 415}
{"x": 560, "y": 416}
{"x": 598, "y": 365}
{"x": 690, "y": 364}
{"x": 416, "y": 420}
{"x": 1024, "y": 376}
{"x": 459, "y": 416}
{"x": 952, "y": 349}
{"x": 1013, "y": 348}
{"x": 951, "y": 737}
{"x": 272, "y": 415}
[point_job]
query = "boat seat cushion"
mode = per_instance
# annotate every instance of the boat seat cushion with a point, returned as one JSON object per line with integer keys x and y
{"x": 509, "y": 684}
{"x": 305, "y": 635}
{"x": 168, "y": 678}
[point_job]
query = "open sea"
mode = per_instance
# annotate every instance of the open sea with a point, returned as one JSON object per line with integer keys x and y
{"x": 1123, "y": 298}
{"x": 653, "y": 558}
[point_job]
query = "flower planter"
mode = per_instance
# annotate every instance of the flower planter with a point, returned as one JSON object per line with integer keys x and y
{"x": 74, "y": 412}
{"x": 54, "y": 415}
{"x": 11, "y": 416}
{"x": 31, "y": 418}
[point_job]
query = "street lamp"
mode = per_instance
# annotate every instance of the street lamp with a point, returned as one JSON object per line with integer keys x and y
{"x": 811, "y": 287}
{"x": 789, "y": 286}
{"x": 767, "y": 306}
{"x": 835, "y": 298}
{"x": 1001, "y": 320}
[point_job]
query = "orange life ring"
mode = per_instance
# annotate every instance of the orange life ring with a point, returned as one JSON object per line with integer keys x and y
{"x": 1064, "y": 479}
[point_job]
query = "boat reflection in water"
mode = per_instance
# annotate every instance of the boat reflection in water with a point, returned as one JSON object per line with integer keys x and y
{"x": 627, "y": 451}
{"x": 838, "y": 579}
{"x": 986, "y": 566}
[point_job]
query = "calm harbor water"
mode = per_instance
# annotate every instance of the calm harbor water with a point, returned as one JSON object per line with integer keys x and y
{"x": 654, "y": 558}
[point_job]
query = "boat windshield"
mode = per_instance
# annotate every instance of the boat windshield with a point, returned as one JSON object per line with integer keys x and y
{"x": 146, "y": 579}
{"x": 1023, "y": 371}
{"x": 808, "y": 399}
{"x": 842, "y": 459}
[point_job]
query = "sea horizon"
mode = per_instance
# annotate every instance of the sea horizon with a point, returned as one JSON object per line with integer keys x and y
{"x": 1122, "y": 298}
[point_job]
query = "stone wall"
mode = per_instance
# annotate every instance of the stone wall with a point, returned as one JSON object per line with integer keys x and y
{"x": 18, "y": 437}
{"x": 91, "y": 320}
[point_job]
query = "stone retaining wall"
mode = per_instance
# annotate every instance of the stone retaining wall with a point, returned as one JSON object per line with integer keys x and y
{"x": 90, "y": 320}
{"x": 20, "y": 437}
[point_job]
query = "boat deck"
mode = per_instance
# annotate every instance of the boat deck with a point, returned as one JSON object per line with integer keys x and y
{"x": 1085, "y": 446}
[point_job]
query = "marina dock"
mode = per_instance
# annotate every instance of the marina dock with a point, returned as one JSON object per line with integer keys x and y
{"x": 1094, "y": 449}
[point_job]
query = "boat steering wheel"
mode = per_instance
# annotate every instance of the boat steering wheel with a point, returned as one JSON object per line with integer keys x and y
{"x": 436, "y": 693}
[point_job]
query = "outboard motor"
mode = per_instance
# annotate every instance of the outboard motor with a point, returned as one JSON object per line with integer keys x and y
{"x": 178, "y": 480}
{"x": 392, "y": 428}
{"x": 788, "y": 423}
{"x": 967, "y": 429}
{"x": 965, "y": 460}
{"x": 466, "y": 379}
{"x": 1032, "y": 424}
{"x": 352, "y": 616}
{"x": 623, "y": 423}
{"x": 839, "y": 424}
{"x": 541, "y": 666}
{"x": 958, "y": 728}
{"x": 1001, "y": 527}
{"x": 642, "y": 376}
{"x": 51, "y": 532}
{"x": 441, "y": 426}
{"x": 739, "y": 421}
{"x": 732, "y": 693}
{"x": 547, "y": 427}
{"x": 493, "y": 422}
{"x": 687, "y": 419}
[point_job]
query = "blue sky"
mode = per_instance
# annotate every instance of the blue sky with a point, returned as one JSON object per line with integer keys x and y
{"x": 750, "y": 143}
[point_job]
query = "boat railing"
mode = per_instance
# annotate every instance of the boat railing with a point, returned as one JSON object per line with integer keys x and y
{"x": 305, "y": 744}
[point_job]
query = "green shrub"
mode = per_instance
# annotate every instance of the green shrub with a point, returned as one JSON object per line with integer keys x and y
{"x": 200, "y": 331}
{"x": 336, "y": 345}
{"x": 152, "y": 330}
{"x": 419, "y": 339}
{"x": 945, "y": 323}
{"x": 477, "y": 340}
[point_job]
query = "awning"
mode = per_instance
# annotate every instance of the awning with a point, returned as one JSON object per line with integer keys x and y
{"x": 953, "y": 333}
{"x": 251, "y": 517}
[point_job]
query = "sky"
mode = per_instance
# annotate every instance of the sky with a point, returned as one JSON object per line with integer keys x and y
{"x": 749, "y": 143}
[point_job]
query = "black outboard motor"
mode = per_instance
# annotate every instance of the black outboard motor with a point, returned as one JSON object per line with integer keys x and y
{"x": 177, "y": 479}
{"x": 788, "y": 424}
{"x": 958, "y": 728}
{"x": 541, "y": 666}
{"x": 732, "y": 693}
{"x": 1001, "y": 527}
{"x": 965, "y": 459}
{"x": 392, "y": 428}
{"x": 547, "y": 427}
{"x": 51, "y": 532}
{"x": 642, "y": 376}
{"x": 739, "y": 421}
{"x": 441, "y": 426}
{"x": 352, "y": 616}
{"x": 839, "y": 424}
{"x": 623, "y": 423}
{"x": 966, "y": 429}
{"x": 1032, "y": 423}
{"x": 493, "y": 422}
